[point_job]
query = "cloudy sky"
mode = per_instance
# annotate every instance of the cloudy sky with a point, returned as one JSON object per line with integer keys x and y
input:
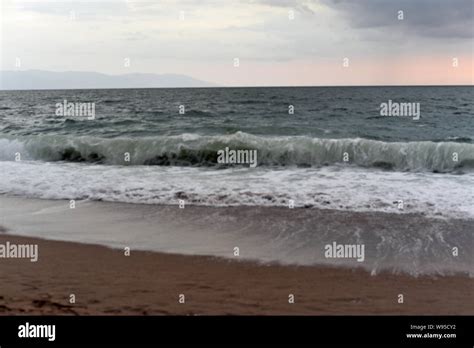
{"x": 277, "y": 42}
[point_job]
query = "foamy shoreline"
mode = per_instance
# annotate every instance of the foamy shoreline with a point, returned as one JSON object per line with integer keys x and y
{"x": 408, "y": 243}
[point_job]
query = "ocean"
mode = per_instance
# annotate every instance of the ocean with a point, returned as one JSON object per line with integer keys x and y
{"x": 317, "y": 148}
{"x": 300, "y": 155}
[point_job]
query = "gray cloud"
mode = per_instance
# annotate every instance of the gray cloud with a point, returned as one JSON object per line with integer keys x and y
{"x": 429, "y": 18}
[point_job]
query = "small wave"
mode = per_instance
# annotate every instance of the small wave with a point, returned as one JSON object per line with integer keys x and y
{"x": 124, "y": 122}
{"x": 198, "y": 113}
{"x": 199, "y": 150}
{"x": 111, "y": 101}
{"x": 248, "y": 102}
{"x": 460, "y": 139}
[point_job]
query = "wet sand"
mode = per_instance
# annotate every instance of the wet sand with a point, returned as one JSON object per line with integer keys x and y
{"x": 105, "y": 281}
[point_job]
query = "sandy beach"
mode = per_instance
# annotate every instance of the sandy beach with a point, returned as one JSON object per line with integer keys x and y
{"x": 106, "y": 282}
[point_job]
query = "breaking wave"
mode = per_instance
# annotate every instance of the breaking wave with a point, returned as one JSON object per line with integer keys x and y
{"x": 200, "y": 150}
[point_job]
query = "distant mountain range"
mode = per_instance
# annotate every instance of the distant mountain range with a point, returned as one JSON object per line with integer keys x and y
{"x": 40, "y": 79}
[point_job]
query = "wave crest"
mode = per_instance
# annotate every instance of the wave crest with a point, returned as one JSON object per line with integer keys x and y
{"x": 199, "y": 150}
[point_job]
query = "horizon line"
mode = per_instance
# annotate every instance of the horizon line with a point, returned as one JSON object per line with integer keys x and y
{"x": 229, "y": 87}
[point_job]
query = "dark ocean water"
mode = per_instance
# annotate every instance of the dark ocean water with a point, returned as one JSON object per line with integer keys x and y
{"x": 338, "y": 112}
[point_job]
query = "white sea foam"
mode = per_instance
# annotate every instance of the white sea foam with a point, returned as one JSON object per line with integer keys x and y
{"x": 335, "y": 187}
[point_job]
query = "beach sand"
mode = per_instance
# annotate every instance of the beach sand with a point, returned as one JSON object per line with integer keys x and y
{"x": 105, "y": 281}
